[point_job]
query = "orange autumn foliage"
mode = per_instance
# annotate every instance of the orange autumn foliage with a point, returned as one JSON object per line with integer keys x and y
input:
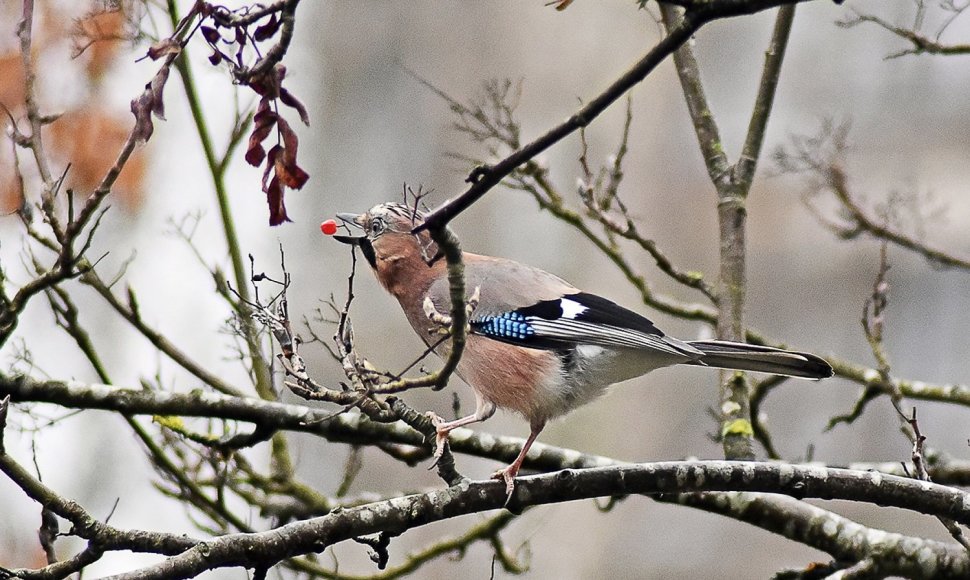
{"x": 87, "y": 137}
{"x": 96, "y": 39}
{"x": 11, "y": 82}
{"x": 11, "y": 97}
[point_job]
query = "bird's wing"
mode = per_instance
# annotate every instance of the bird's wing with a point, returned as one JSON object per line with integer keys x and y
{"x": 578, "y": 318}
{"x": 529, "y": 307}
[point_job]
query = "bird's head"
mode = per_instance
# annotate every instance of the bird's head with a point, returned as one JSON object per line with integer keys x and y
{"x": 386, "y": 241}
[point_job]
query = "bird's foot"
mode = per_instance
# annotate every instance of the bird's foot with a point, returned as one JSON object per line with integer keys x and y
{"x": 507, "y": 474}
{"x": 443, "y": 322}
{"x": 442, "y": 429}
{"x": 472, "y": 303}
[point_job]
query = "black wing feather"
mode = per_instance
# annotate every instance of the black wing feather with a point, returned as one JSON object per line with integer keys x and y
{"x": 603, "y": 311}
{"x": 578, "y": 318}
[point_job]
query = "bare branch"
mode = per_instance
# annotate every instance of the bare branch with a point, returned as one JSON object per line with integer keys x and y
{"x": 838, "y": 182}
{"x": 750, "y": 153}
{"x": 101, "y": 535}
{"x": 130, "y": 313}
{"x": 820, "y": 157}
{"x": 921, "y": 44}
{"x": 694, "y": 476}
{"x": 843, "y": 539}
{"x": 34, "y": 117}
{"x": 698, "y": 14}
{"x": 732, "y": 183}
{"x": 708, "y": 134}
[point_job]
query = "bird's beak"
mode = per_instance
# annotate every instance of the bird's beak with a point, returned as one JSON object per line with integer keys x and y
{"x": 352, "y": 220}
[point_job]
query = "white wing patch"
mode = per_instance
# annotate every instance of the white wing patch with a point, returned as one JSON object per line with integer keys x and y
{"x": 571, "y": 309}
{"x": 589, "y": 333}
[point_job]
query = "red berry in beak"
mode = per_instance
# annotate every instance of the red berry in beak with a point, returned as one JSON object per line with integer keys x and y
{"x": 329, "y": 227}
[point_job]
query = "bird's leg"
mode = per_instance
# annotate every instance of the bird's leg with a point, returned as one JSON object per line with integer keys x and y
{"x": 507, "y": 474}
{"x": 483, "y": 410}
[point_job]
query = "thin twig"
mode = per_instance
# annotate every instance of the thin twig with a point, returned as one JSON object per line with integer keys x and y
{"x": 921, "y": 44}
{"x": 838, "y": 182}
{"x": 485, "y": 179}
{"x": 745, "y": 167}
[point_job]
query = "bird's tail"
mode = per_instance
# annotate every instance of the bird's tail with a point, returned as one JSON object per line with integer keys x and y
{"x": 765, "y": 359}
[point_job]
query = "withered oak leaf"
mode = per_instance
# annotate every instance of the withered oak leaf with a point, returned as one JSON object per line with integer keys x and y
{"x": 267, "y": 30}
{"x": 263, "y": 122}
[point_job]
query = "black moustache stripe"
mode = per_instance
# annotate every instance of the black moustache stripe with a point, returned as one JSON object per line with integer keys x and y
{"x": 367, "y": 249}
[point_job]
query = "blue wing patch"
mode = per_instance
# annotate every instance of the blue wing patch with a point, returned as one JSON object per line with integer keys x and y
{"x": 508, "y": 326}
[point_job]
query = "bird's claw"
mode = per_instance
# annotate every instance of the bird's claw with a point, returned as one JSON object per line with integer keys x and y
{"x": 441, "y": 436}
{"x": 472, "y": 303}
{"x": 507, "y": 474}
{"x": 443, "y": 322}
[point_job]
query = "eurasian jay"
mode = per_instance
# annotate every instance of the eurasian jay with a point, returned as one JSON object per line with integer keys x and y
{"x": 537, "y": 345}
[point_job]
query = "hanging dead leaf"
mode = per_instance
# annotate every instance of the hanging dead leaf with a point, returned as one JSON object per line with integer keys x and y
{"x": 263, "y": 122}
{"x": 164, "y": 47}
{"x": 265, "y": 31}
{"x": 277, "y": 208}
{"x": 291, "y": 174}
{"x": 291, "y": 101}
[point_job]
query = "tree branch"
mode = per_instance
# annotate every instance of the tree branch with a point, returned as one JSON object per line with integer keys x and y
{"x": 708, "y": 134}
{"x": 751, "y": 151}
{"x": 354, "y": 428}
{"x": 700, "y": 13}
{"x": 34, "y": 117}
{"x": 732, "y": 183}
{"x": 921, "y": 44}
{"x": 401, "y": 514}
{"x": 838, "y": 182}
{"x": 843, "y": 539}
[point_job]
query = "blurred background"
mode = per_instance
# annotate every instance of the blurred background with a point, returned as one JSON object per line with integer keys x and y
{"x": 374, "y": 127}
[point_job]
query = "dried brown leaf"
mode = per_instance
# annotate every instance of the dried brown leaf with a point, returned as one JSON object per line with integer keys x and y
{"x": 287, "y": 169}
{"x": 267, "y": 30}
{"x": 274, "y": 188}
{"x": 263, "y": 122}
{"x": 274, "y": 152}
{"x": 210, "y": 34}
{"x": 291, "y": 101}
{"x": 164, "y": 47}
{"x": 277, "y": 207}
{"x": 141, "y": 106}
{"x": 241, "y": 37}
{"x": 291, "y": 174}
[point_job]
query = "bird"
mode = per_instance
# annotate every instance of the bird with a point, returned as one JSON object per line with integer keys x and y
{"x": 537, "y": 345}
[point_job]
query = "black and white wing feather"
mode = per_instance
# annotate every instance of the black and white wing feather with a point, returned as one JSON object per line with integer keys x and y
{"x": 575, "y": 319}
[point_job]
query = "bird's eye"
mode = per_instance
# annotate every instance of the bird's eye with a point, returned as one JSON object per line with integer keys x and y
{"x": 377, "y": 226}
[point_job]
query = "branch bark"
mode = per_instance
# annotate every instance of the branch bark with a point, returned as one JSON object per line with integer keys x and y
{"x": 732, "y": 184}
{"x": 401, "y": 514}
{"x": 799, "y": 523}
